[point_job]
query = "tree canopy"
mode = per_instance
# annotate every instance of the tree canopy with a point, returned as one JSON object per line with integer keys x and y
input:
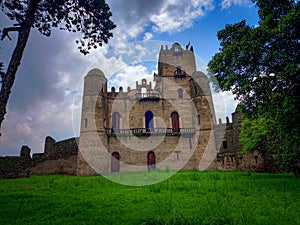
{"x": 260, "y": 65}
{"x": 89, "y": 17}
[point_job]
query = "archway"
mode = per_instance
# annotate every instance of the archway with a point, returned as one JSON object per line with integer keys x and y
{"x": 151, "y": 160}
{"x": 149, "y": 121}
{"x": 115, "y": 162}
{"x": 175, "y": 121}
{"x": 116, "y": 121}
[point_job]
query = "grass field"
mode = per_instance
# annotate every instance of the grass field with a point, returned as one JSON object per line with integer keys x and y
{"x": 186, "y": 198}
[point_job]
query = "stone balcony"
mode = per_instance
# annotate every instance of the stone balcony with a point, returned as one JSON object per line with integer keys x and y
{"x": 185, "y": 132}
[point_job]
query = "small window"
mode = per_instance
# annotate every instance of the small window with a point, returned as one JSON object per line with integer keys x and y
{"x": 198, "y": 119}
{"x": 85, "y": 122}
{"x": 195, "y": 89}
{"x": 180, "y": 93}
{"x": 225, "y": 145}
{"x": 176, "y": 49}
{"x": 255, "y": 157}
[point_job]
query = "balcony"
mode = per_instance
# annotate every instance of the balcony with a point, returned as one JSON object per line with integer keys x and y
{"x": 147, "y": 96}
{"x": 185, "y": 132}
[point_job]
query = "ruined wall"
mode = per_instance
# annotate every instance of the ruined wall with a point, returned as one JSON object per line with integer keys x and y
{"x": 230, "y": 156}
{"x": 16, "y": 166}
{"x": 58, "y": 157}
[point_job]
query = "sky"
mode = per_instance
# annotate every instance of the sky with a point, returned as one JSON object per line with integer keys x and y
{"x": 46, "y": 96}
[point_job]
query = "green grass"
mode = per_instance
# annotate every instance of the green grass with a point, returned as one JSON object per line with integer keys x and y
{"x": 186, "y": 198}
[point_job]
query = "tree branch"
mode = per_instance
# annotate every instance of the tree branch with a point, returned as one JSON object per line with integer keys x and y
{"x": 9, "y": 29}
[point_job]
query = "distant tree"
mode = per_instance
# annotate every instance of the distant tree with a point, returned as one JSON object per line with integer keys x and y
{"x": 90, "y": 17}
{"x": 260, "y": 65}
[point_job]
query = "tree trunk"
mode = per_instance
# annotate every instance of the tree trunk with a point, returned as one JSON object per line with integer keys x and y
{"x": 15, "y": 61}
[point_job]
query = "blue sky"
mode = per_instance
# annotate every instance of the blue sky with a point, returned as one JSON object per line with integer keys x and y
{"x": 46, "y": 97}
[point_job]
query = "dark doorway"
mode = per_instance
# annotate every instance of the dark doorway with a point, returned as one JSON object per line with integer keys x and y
{"x": 149, "y": 121}
{"x": 115, "y": 162}
{"x": 151, "y": 160}
{"x": 175, "y": 121}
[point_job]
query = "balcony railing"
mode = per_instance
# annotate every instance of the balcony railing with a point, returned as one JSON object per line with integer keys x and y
{"x": 185, "y": 132}
{"x": 147, "y": 96}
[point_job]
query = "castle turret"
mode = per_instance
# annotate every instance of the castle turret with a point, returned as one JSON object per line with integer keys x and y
{"x": 93, "y": 121}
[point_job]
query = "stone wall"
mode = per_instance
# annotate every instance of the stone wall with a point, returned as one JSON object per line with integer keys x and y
{"x": 230, "y": 155}
{"x": 58, "y": 157}
{"x": 16, "y": 166}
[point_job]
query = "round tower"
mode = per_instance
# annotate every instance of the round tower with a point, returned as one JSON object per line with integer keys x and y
{"x": 93, "y": 122}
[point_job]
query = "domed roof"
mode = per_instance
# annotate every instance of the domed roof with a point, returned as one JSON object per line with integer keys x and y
{"x": 198, "y": 74}
{"x": 96, "y": 71}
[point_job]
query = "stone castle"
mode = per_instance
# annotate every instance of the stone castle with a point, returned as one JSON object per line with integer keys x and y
{"x": 171, "y": 124}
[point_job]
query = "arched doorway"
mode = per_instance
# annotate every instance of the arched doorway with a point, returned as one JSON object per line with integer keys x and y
{"x": 116, "y": 121}
{"x": 115, "y": 162}
{"x": 175, "y": 121}
{"x": 151, "y": 160}
{"x": 149, "y": 121}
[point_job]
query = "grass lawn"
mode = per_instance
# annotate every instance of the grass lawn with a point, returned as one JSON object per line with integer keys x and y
{"x": 209, "y": 197}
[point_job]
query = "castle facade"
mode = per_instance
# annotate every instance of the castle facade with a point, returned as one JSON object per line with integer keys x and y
{"x": 169, "y": 124}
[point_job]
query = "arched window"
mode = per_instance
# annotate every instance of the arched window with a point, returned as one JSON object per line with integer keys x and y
{"x": 149, "y": 121}
{"x": 151, "y": 160}
{"x": 175, "y": 121}
{"x": 116, "y": 121}
{"x": 195, "y": 89}
{"x": 198, "y": 119}
{"x": 115, "y": 162}
{"x": 180, "y": 93}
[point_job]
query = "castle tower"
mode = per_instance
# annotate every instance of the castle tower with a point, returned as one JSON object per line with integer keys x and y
{"x": 93, "y": 123}
{"x": 177, "y": 73}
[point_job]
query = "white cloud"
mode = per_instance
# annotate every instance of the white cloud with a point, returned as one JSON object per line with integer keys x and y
{"x": 224, "y": 104}
{"x": 228, "y": 3}
{"x": 129, "y": 75}
{"x": 147, "y": 36}
{"x": 176, "y": 15}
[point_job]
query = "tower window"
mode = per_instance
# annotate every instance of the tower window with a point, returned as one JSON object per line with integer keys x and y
{"x": 225, "y": 145}
{"x": 85, "y": 122}
{"x": 180, "y": 93}
{"x": 116, "y": 121}
{"x": 198, "y": 119}
{"x": 195, "y": 89}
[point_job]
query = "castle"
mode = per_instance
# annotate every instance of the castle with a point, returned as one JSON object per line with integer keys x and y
{"x": 170, "y": 124}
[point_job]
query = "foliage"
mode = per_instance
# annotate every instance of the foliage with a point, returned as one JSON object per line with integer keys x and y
{"x": 187, "y": 198}
{"x": 89, "y": 17}
{"x": 260, "y": 65}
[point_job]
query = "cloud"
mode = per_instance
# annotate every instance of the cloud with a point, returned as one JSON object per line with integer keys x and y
{"x": 46, "y": 97}
{"x": 176, "y": 15}
{"x": 147, "y": 36}
{"x": 228, "y": 3}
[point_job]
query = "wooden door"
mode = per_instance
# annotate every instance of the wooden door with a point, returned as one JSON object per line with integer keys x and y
{"x": 175, "y": 122}
{"x": 151, "y": 160}
{"x": 115, "y": 162}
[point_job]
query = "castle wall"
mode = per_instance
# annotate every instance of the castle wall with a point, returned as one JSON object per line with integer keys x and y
{"x": 58, "y": 157}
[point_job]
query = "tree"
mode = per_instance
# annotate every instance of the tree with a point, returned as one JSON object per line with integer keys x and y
{"x": 90, "y": 17}
{"x": 260, "y": 65}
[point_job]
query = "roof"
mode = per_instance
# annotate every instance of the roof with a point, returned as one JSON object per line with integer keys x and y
{"x": 96, "y": 71}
